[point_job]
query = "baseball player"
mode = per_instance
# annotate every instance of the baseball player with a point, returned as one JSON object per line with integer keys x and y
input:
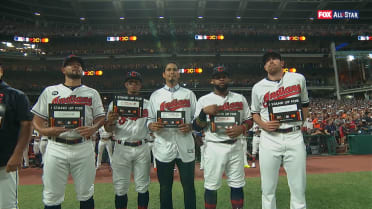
{"x": 174, "y": 143}
{"x": 36, "y": 148}
{"x": 131, "y": 150}
{"x": 15, "y": 134}
{"x": 43, "y": 145}
{"x": 104, "y": 142}
{"x": 69, "y": 151}
{"x": 255, "y": 143}
{"x": 223, "y": 150}
{"x": 280, "y": 141}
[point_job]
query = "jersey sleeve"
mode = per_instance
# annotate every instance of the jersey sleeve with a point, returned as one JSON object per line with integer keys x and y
{"x": 193, "y": 103}
{"x": 304, "y": 93}
{"x": 151, "y": 110}
{"x": 198, "y": 108}
{"x": 41, "y": 107}
{"x": 246, "y": 110}
{"x": 98, "y": 109}
{"x": 255, "y": 106}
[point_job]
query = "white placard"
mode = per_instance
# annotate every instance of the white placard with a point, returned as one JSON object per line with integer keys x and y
{"x": 125, "y": 103}
{"x": 66, "y": 114}
{"x": 285, "y": 108}
{"x": 171, "y": 115}
{"x": 224, "y": 119}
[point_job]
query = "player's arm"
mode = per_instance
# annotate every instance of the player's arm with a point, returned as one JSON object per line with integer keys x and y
{"x": 88, "y": 131}
{"x": 110, "y": 123}
{"x": 152, "y": 124}
{"x": 39, "y": 124}
{"x": 24, "y": 137}
{"x": 268, "y": 125}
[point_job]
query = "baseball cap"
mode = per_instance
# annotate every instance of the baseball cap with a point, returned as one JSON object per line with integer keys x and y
{"x": 272, "y": 55}
{"x": 220, "y": 70}
{"x": 72, "y": 58}
{"x": 133, "y": 75}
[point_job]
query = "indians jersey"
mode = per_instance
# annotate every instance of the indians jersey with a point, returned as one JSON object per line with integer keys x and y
{"x": 231, "y": 102}
{"x": 61, "y": 94}
{"x": 130, "y": 128}
{"x": 170, "y": 143}
{"x": 291, "y": 85}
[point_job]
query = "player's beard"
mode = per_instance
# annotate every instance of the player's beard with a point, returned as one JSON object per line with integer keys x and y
{"x": 221, "y": 88}
{"x": 74, "y": 76}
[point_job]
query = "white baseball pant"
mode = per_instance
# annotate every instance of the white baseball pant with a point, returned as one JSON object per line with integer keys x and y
{"x": 8, "y": 189}
{"x": 126, "y": 160}
{"x": 255, "y": 144}
{"x": 220, "y": 158}
{"x": 102, "y": 144}
{"x": 291, "y": 148}
{"x": 62, "y": 160}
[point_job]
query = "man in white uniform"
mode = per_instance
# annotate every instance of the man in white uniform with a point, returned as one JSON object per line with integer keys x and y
{"x": 15, "y": 134}
{"x": 255, "y": 143}
{"x": 223, "y": 148}
{"x": 131, "y": 151}
{"x": 173, "y": 145}
{"x": 105, "y": 138}
{"x": 280, "y": 141}
{"x": 70, "y": 150}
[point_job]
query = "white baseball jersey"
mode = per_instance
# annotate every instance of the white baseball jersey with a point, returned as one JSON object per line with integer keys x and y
{"x": 61, "y": 94}
{"x": 103, "y": 133}
{"x": 131, "y": 129}
{"x": 232, "y": 102}
{"x": 170, "y": 143}
{"x": 291, "y": 85}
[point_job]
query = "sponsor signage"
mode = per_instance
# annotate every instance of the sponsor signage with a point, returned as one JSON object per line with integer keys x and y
{"x": 338, "y": 14}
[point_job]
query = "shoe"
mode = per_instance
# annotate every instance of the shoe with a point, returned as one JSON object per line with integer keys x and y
{"x": 253, "y": 165}
{"x": 247, "y": 166}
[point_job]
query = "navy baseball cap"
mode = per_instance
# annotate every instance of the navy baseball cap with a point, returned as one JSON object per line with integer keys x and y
{"x": 270, "y": 55}
{"x": 133, "y": 75}
{"x": 220, "y": 70}
{"x": 72, "y": 58}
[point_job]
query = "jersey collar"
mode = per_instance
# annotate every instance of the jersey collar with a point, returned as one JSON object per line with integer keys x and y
{"x": 174, "y": 89}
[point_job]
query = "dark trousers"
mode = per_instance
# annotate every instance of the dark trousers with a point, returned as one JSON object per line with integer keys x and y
{"x": 165, "y": 175}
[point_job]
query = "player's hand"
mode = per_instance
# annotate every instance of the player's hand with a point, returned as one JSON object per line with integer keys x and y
{"x": 14, "y": 162}
{"x": 155, "y": 126}
{"x": 271, "y": 126}
{"x": 86, "y": 131}
{"x": 184, "y": 128}
{"x": 234, "y": 131}
{"x": 112, "y": 117}
{"x": 53, "y": 131}
{"x": 211, "y": 109}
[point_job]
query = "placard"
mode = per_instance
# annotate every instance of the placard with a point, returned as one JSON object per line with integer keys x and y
{"x": 69, "y": 116}
{"x": 224, "y": 120}
{"x": 285, "y": 110}
{"x": 128, "y": 106}
{"x": 171, "y": 119}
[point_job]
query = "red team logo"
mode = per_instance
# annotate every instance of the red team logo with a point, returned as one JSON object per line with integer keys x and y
{"x": 282, "y": 93}
{"x": 234, "y": 106}
{"x": 73, "y": 100}
{"x": 174, "y": 105}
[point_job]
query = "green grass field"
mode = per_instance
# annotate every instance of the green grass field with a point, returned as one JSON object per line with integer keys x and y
{"x": 324, "y": 191}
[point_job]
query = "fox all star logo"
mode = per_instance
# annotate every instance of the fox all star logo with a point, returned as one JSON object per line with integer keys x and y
{"x": 73, "y": 99}
{"x": 234, "y": 106}
{"x": 174, "y": 104}
{"x": 281, "y": 93}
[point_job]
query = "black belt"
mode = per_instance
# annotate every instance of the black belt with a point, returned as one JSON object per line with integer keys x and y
{"x": 69, "y": 141}
{"x": 230, "y": 141}
{"x": 287, "y": 130}
{"x": 131, "y": 144}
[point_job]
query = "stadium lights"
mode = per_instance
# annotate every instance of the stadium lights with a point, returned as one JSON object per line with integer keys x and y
{"x": 238, "y": 17}
{"x": 200, "y": 17}
{"x": 350, "y": 58}
{"x": 275, "y": 18}
{"x": 82, "y": 18}
{"x": 37, "y": 13}
{"x": 311, "y": 18}
{"x": 161, "y": 17}
{"x": 122, "y": 18}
